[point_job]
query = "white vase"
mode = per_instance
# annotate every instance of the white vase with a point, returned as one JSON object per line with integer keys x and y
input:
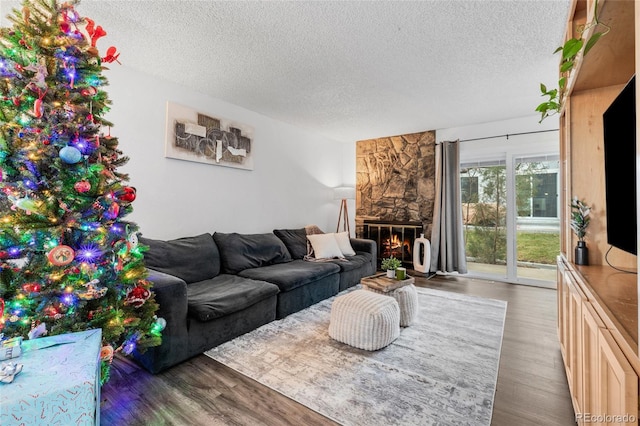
{"x": 391, "y": 273}
{"x": 421, "y": 264}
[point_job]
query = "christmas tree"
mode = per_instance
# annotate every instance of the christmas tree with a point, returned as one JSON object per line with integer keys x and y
{"x": 68, "y": 260}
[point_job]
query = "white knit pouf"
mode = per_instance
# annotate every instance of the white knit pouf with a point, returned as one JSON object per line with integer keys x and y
{"x": 365, "y": 320}
{"x": 407, "y": 298}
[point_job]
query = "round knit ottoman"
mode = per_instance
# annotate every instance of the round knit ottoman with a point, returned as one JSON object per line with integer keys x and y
{"x": 407, "y": 299}
{"x": 365, "y": 320}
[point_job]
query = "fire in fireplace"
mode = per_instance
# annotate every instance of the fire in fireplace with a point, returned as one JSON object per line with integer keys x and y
{"x": 393, "y": 238}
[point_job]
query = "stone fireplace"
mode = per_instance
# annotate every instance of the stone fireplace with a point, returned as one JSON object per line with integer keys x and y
{"x": 395, "y": 191}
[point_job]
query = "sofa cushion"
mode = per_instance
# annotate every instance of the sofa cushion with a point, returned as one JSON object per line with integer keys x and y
{"x": 325, "y": 246}
{"x": 343, "y": 240}
{"x": 350, "y": 263}
{"x": 192, "y": 259}
{"x": 288, "y": 276}
{"x": 224, "y": 295}
{"x": 243, "y": 251}
{"x": 295, "y": 240}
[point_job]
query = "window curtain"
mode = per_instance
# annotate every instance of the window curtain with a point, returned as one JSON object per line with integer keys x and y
{"x": 447, "y": 239}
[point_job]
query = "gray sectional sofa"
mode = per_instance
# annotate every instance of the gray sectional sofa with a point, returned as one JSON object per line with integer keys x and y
{"x": 212, "y": 288}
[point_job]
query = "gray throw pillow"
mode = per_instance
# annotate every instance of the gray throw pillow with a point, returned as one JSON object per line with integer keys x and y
{"x": 295, "y": 240}
{"x": 243, "y": 251}
{"x": 192, "y": 259}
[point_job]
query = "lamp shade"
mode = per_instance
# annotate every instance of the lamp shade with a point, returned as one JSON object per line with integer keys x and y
{"x": 344, "y": 193}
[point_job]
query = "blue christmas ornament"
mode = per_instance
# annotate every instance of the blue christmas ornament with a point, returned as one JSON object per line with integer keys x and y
{"x": 70, "y": 154}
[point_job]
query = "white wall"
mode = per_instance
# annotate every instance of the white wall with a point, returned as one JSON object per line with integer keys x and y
{"x": 486, "y": 149}
{"x": 289, "y": 187}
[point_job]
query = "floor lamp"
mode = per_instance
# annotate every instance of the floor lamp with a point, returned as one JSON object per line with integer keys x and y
{"x": 344, "y": 193}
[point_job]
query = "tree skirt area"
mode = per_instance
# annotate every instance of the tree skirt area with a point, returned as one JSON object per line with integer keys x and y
{"x": 441, "y": 370}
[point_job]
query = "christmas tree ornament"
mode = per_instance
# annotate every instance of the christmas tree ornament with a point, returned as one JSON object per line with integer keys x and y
{"x": 128, "y": 194}
{"x": 70, "y": 154}
{"x": 92, "y": 291}
{"x": 111, "y": 55}
{"x": 113, "y": 211}
{"x": 52, "y": 312}
{"x": 82, "y": 186}
{"x": 137, "y": 296}
{"x": 133, "y": 240}
{"x": 24, "y": 203}
{"x": 89, "y": 91}
{"x": 61, "y": 255}
{"x": 158, "y": 326}
{"x": 106, "y": 353}
{"x": 31, "y": 287}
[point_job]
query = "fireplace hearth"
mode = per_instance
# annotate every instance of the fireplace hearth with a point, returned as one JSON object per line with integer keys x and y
{"x": 393, "y": 238}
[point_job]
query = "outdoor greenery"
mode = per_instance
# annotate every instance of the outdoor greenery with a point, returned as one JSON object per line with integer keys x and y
{"x": 484, "y": 214}
{"x": 532, "y": 247}
{"x": 538, "y": 247}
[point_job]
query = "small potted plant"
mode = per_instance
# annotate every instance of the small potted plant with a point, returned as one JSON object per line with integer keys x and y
{"x": 579, "y": 223}
{"x": 391, "y": 264}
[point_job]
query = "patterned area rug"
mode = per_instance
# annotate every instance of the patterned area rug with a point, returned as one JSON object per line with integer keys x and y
{"x": 442, "y": 370}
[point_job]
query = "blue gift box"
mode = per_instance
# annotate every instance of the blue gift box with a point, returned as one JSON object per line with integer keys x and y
{"x": 59, "y": 383}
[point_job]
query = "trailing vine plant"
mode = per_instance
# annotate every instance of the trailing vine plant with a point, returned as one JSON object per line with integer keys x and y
{"x": 570, "y": 51}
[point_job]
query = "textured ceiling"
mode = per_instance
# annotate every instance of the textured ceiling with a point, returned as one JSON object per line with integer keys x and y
{"x": 348, "y": 70}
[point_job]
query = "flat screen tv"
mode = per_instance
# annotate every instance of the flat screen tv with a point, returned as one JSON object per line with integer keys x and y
{"x": 619, "y": 122}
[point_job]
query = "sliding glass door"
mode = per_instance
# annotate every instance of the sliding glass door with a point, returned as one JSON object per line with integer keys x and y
{"x": 484, "y": 213}
{"x": 511, "y": 218}
{"x": 537, "y": 219}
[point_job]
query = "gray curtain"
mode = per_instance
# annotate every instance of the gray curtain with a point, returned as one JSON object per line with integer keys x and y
{"x": 447, "y": 239}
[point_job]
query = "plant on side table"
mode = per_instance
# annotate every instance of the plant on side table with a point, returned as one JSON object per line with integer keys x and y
{"x": 579, "y": 223}
{"x": 390, "y": 264}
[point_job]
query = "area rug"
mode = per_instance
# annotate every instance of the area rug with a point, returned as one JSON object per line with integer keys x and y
{"x": 442, "y": 370}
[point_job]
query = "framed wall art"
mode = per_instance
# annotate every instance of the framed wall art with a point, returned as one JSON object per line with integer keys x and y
{"x": 199, "y": 137}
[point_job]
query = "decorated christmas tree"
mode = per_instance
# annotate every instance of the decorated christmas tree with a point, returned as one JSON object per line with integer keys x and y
{"x": 68, "y": 260}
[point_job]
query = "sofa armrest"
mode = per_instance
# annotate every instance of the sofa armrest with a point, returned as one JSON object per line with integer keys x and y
{"x": 367, "y": 246}
{"x": 171, "y": 296}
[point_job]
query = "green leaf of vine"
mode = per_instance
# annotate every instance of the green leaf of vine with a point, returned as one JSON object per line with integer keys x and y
{"x": 566, "y": 66}
{"x": 571, "y": 48}
{"x": 591, "y": 42}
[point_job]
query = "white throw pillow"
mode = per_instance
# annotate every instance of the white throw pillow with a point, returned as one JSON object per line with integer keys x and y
{"x": 342, "y": 238}
{"x": 325, "y": 246}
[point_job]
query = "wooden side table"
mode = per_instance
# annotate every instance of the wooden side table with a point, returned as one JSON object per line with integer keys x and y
{"x": 404, "y": 291}
{"x": 384, "y": 284}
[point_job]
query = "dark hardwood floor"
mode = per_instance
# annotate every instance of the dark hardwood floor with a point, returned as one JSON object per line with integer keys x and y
{"x": 532, "y": 387}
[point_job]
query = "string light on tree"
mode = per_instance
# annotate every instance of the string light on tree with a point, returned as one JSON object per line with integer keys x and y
{"x": 69, "y": 261}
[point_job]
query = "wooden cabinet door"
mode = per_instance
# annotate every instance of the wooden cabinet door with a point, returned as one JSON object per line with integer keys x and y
{"x": 561, "y": 288}
{"x": 591, "y": 325}
{"x": 618, "y": 399}
{"x": 574, "y": 342}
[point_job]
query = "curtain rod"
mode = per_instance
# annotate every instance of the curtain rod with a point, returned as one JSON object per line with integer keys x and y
{"x": 509, "y": 134}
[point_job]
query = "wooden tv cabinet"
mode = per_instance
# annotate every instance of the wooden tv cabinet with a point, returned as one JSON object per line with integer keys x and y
{"x": 597, "y": 305}
{"x": 598, "y": 331}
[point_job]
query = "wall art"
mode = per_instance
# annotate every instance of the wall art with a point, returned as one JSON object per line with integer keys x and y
{"x": 195, "y": 136}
